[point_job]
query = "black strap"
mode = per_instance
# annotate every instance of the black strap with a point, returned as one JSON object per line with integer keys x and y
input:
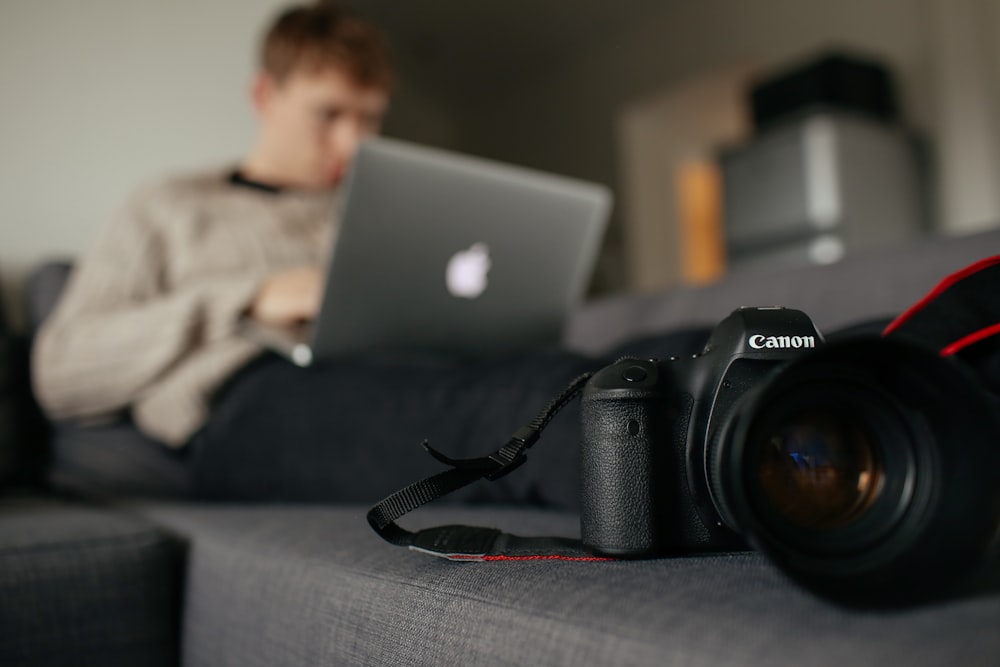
{"x": 473, "y": 543}
{"x": 963, "y": 310}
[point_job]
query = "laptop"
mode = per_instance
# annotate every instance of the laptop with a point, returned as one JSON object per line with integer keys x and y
{"x": 444, "y": 252}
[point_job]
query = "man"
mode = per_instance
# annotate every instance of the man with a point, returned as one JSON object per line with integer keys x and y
{"x": 323, "y": 86}
{"x": 147, "y": 328}
{"x": 148, "y": 323}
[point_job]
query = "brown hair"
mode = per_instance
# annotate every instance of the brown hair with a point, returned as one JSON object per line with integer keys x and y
{"x": 319, "y": 35}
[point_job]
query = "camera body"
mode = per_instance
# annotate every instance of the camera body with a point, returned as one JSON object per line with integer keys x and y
{"x": 652, "y": 431}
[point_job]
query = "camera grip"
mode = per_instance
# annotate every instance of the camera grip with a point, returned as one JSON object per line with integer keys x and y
{"x": 622, "y": 439}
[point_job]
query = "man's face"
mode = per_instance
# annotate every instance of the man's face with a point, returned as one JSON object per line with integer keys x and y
{"x": 312, "y": 123}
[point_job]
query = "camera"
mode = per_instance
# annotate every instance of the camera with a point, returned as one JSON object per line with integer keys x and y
{"x": 651, "y": 429}
{"x": 868, "y": 469}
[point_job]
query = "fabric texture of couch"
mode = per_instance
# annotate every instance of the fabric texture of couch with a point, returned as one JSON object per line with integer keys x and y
{"x": 80, "y": 585}
{"x": 315, "y": 586}
{"x": 305, "y": 584}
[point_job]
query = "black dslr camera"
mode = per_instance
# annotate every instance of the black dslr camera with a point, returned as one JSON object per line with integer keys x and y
{"x": 652, "y": 432}
{"x": 867, "y": 468}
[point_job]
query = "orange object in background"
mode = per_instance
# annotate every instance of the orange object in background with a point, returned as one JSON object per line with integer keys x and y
{"x": 702, "y": 243}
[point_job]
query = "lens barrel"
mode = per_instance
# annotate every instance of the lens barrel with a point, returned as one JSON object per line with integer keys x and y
{"x": 869, "y": 471}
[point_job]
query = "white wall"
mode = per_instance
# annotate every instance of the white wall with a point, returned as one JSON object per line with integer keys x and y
{"x": 102, "y": 95}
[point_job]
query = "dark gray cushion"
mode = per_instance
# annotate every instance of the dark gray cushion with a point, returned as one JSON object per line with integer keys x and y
{"x": 43, "y": 289}
{"x": 116, "y": 460}
{"x": 869, "y": 285}
{"x": 81, "y": 586}
{"x": 310, "y": 586}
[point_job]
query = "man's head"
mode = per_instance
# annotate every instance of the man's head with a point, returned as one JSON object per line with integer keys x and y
{"x": 323, "y": 85}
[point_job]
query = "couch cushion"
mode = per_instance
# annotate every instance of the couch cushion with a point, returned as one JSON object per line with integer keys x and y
{"x": 82, "y": 586}
{"x": 43, "y": 289}
{"x": 116, "y": 460}
{"x": 309, "y": 585}
{"x": 872, "y": 284}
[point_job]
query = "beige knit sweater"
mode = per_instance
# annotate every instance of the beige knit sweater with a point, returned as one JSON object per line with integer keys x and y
{"x": 147, "y": 322}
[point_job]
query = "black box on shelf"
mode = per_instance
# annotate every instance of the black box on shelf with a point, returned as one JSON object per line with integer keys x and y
{"x": 834, "y": 81}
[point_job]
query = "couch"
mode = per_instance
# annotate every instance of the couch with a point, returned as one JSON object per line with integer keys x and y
{"x": 109, "y": 560}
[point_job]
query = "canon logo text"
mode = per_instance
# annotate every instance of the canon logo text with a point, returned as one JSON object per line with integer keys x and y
{"x": 760, "y": 342}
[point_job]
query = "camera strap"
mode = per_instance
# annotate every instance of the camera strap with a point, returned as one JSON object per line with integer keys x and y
{"x": 470, "y": 543}
{"x": 960, "y": 312}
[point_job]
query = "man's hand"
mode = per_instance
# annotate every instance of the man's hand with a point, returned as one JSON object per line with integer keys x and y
{"x": 289, "y": 296}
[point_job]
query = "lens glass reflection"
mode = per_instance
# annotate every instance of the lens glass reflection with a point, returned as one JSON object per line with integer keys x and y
{"x": 819, "y": 471}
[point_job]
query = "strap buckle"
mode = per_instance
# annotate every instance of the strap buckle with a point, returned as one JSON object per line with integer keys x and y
{"x": 498, "y": 464}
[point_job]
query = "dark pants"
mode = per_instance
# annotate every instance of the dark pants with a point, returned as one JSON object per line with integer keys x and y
{"x": 351, "y": 431}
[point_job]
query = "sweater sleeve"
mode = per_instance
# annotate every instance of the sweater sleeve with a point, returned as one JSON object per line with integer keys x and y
{"x": 117, "y": 328}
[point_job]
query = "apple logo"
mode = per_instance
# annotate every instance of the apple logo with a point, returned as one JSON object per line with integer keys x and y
{"x": 466, "y": 272}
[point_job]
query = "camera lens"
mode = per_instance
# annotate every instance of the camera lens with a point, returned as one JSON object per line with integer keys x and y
{"x": 866, "y": 470}
{"x": 819, "y": 470}
{"x": 827, "y": 466}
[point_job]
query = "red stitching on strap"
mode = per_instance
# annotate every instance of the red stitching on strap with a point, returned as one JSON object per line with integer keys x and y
{"x": 550, "y": 557}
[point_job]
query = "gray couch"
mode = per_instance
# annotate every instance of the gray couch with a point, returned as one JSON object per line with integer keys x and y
{"x": 147, "y": 581}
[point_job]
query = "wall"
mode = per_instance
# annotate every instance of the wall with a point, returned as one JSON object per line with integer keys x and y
{"x": 965, "y": 76}
{"x": 102, "y": 95}
{"x": 563, "y": 119}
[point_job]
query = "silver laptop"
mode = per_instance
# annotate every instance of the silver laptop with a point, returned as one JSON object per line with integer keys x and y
{"x": 449, "y": 253}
